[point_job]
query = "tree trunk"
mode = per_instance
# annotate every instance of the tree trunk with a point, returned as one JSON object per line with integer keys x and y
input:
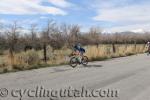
{"x": 11, "y": 54}
{"x": 114, "y": 49}
{"x": 45, "y": 53}
{"x": 135, "y": 46}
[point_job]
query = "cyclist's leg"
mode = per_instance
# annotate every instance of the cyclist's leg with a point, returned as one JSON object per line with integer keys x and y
{"x": 79, "y": 58}
{"x": 77, "y": 55}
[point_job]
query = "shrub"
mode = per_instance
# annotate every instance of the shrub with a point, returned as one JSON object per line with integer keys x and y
{"x": 1, "y": 52}
{"x": 18, "y": 67}
{"x": 5, "y": 70}
{"x": 28, "y": 58}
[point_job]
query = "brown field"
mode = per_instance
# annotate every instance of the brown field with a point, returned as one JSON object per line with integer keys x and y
{"x": 33, "y": 59}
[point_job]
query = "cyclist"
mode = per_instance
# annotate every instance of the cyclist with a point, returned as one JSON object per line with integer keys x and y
{"x": 148, "y": 45}
{"x": 79, "y": 51}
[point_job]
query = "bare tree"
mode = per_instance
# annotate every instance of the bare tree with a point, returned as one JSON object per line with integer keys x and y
{"x": 74, "y": 35}
{"x": 12, "y": 33}
{"x": 58, "y": 35}
{"x": 2, "y": 37}
{"x": 33, "y": 30}
{"x": 65, "y": 30}
{"x": 32, "y": 37}
{"x": 45, "y": 37}
{"x": 94, "y": 35}
{"x": 1, "y": 28}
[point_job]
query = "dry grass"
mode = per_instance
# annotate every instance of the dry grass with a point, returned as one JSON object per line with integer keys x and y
{"x": 106, "y": 51}
{"x": 33, "y": 59}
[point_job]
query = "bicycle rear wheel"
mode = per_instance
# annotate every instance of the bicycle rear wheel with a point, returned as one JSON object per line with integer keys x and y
{"x": 73, "y": 62}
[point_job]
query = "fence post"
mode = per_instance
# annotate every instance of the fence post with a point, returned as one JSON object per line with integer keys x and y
{"x": 113, "y": 47}
{"x": 135, "y": 46}
{"x": 45, "y": 57}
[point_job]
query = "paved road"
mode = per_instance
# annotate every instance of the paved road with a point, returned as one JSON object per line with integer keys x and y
{"x": 128, "y": 78}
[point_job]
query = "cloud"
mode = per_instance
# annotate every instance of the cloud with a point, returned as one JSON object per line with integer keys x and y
{"x": 60, "y": 3}
{"x": 23, "y": 7}
{"x": 2, "y": 21}
{"x": 130, "y": 15}
{"x": 133, "y": 28}
{"x": 44, "y": 17}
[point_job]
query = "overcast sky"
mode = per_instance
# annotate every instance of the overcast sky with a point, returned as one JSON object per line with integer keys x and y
{"x": 110, "y": 15}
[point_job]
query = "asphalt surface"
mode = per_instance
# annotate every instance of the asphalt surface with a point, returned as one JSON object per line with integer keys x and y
{"x": 126, "y": 78}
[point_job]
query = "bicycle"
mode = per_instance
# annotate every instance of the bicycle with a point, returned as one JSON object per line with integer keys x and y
{"x": 148, "y": 52}
{"x": 74, "y": 61}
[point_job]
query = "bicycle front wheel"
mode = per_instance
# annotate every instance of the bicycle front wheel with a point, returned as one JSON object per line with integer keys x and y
{"x": 84, "y": 60}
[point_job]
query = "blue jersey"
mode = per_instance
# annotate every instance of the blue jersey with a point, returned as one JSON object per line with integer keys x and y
{"x": 82, "y": 50}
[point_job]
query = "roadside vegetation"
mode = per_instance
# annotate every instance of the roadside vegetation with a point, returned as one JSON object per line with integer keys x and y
{"x": 52, "y": 45}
